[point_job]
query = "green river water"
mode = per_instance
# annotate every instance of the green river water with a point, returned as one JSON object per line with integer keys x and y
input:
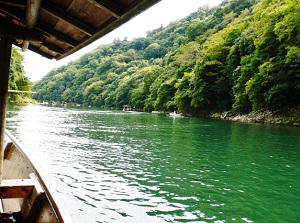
{"x": 114, "y": 166}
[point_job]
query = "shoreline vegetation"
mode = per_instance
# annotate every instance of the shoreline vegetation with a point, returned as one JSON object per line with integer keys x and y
{"x": 289, "y": 116}
{"x": 239, "y": 56}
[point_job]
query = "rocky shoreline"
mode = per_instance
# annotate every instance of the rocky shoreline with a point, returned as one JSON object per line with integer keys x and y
{"x": 279, "y": 117}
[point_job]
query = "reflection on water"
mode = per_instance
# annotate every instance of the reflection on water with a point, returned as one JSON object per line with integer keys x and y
{"x": 112, "y": 166}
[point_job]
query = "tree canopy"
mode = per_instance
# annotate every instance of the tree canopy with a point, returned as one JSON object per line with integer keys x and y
{"x": 17, "y": 78}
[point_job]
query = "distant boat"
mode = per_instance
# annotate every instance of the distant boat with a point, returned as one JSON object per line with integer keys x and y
{"x": 128, "y": 108}
{"x": 175, "y": 115}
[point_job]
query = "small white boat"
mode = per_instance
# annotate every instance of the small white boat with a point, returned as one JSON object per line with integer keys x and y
{"x": 175, "y": 115}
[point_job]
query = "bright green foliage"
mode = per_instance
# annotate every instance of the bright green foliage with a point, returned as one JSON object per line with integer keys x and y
{"x": 17, "y": 78}
{"x": 155, "y": 51}
{"x": 277, "y": 42}
{"x": 165, "y": 95}
{"x": 212, "y": 83}
{"x": 183, "y": 95}
{"x": 92, "y": 93}
{"x": 242, "y": 55}
{"x": 256, "y": 85}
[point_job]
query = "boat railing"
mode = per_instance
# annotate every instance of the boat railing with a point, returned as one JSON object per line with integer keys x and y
{"x": 24, "y": 186}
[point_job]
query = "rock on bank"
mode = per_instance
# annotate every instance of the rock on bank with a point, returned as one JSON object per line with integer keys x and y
{"x": 279, "y": 117}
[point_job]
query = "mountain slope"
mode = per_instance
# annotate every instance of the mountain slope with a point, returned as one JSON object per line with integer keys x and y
{"x": 240, "y": 56}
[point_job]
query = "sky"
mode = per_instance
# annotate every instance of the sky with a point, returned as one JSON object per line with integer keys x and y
{"x": 162, "y": 13}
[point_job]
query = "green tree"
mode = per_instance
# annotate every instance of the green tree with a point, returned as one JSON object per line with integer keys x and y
{"x": 212, "y": 85}
{"x": 155, "y": 51}
{"x": 17, "y": 78}
{"x": 183, "y": 95}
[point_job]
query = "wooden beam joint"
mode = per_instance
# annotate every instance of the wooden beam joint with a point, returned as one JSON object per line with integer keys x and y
{"x": 19, "y": 188}
{"x": 20, "y": 33}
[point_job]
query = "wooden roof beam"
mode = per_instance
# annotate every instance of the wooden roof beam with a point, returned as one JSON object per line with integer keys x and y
{"x": 13, "y": 2}
{"x": 135, "y": 5}
{"x": 110, "y": 7}
{"x": 53, "y": 47}
{"x": 20, "y": 33}
{"x": 132, "y": 10}
{"x": 32, "y": 13}
{"x": 61, "y": 14}
{"x": 15, "y": 13}
{"x": 37, "y": 50}
{"x": 47, "y": 29}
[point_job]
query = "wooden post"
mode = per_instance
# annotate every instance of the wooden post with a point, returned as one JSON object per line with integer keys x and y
{"x": 5, "y": 54}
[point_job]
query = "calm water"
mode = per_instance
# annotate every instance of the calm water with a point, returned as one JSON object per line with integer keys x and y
{"x": 112, "y": 166}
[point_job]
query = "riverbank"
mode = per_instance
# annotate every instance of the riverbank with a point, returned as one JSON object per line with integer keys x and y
{"x": 279, "y": 117}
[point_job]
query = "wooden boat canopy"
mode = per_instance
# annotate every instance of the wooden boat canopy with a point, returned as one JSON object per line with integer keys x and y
{"x": 56, "y": 28}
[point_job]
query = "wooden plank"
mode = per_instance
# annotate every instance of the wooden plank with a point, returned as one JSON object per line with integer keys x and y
{"x": 7, "y": 149}
{"x": 61, "y": 14}
{"x": 47, "y": 28}
{"x": 20, "y": 188}
{"x": 17, "y": 91}
{"x": 5, "y": 53}
{"x": 21, "y": 33}
{"x": 32, "y": 206}
{"x": 50, "y": 30}
{"x": 53, "y": 47}
{"x": 131, "y": 10}
{"x": 13, "y": 3}
{"x": 11, "y": 205}
{"x": 15, "y": 164}
{"x": 109, "y": 6}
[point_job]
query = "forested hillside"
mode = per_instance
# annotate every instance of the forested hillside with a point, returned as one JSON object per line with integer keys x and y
{"x": 242, "y": 55}
{"x": 17, "y": 78}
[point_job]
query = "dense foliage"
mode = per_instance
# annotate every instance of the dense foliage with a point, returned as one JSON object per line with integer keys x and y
{"x": 17, "y": 78}
{"x": 242, "y": 55}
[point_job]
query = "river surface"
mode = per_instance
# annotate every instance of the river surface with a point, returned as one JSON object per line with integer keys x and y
{"x": 114, "y": 166}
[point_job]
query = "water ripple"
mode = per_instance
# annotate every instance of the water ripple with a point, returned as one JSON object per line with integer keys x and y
{"x": 119, "y": 167}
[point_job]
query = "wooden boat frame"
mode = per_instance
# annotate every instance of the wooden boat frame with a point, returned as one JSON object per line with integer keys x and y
{"x": 24, "y": 193}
